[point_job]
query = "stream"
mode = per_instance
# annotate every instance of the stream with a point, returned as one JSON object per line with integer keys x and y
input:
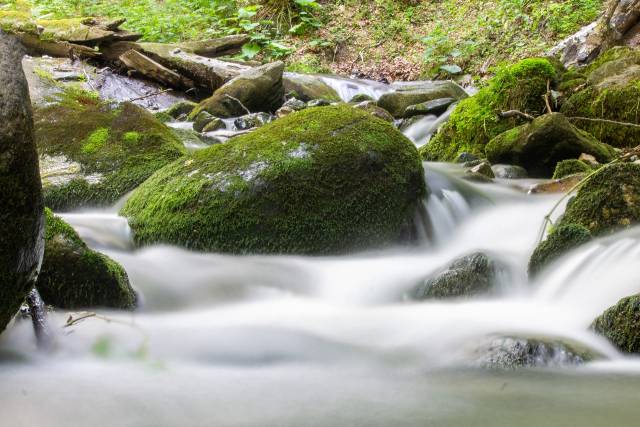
{"x": 289, "y": 341}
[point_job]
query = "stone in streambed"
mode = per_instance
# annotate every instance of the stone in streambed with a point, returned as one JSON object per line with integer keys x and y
{"x": 571, "y": 167}
{"x": 436, "y": 107}
{"x": 323, "y": 180}
{"x": 406, "y": 95}
{"x": 75, "y": 277}
{"x": 509, "y": 172}
{"x": 620, "y": 324}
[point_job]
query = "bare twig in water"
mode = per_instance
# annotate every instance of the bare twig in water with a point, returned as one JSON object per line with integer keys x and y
{"x": 239, "y": 102}
{"x": 140, "y": 98}
{"x": 515, "y": 113}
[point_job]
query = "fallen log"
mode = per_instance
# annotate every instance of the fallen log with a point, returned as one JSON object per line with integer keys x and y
{"x": 215, "y": 48}
{"x": 151, "y": 69}
{"x": 34, "y": 45}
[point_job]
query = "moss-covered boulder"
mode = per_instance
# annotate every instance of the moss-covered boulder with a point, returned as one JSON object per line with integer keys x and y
{"x": 323, "y": 180}
{"x": 409, "y": 94}
{"x": 93, "y": 152}
{"x": 474, "y": 122}
{"x": 620, "y": 324}
{"x": 560, "y": 241}
{"x": 308, "y": 87}
{"x": 612, "y": 92}
{"x": 609, "y": 201}
{"x": 181, "y": 109}
{"x": 258, "y": 90}
{"x": 469, "y": 276}
{"x": 571, "y": 167}
{"x": 74, "y": 276}
{"x": 21, "y": 219}
{"x": 538, "y": 146}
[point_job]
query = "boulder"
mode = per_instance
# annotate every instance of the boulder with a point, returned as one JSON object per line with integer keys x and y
{"x": 469, "y": 276}
{"x": 308, "y": 87}
{"x": 608, "y": 201}
{"x": 21, "y": 218}
{"x": 483, "y": 168}
{"x": 181, "y": 109}
{"x": 436, "y": 107}
{"x": 257, "y": 90}
{"x": 75, "y": 277}
{"x": 474, "y": 122}
{"x": 538, "y": 146}
{"x": 361, "y": 97}
{"x": 508, "y": 353}
{"x": 611, "y": 93}
{"x": 92, "y": 152}
{"x": 509, "y": 172}
{"x": 620, "y": 324}
{"x": 408, "y": 94}
{"x": 561, "y": 240}
{"x": 202, "y": 120}
{"x": 251, "y": 121}
{"x": 571, "y": 167}
{"x": 324, "y": 180}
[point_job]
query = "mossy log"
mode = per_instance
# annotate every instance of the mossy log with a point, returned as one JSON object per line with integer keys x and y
{"x": 153, "y": 70}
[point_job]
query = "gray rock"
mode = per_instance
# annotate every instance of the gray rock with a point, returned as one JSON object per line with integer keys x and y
{"x": 408, "y": 94}
{"x": 251, "y": 121}
{"x": 295, "y": 104}
{"x": 375, "y": 110}
{"x": 309, "y": 87}
{"x": 509, "y": 172}
{"x": 437, "y": 107}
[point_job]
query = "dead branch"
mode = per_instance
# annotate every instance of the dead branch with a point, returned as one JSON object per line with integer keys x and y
{"x": 515, "y": 113}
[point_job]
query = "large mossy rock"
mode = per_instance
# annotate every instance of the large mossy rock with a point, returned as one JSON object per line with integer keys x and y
{"x": 74, "y": 276}
{"x": 307, "y": 87}
{"x": 21, "y": 219}
{"x": 258, "y": 90}
{"x": 474, "y": 121}
{"x": 560, "y": 241}
{"x": 93, "y": 152}
{"x": 406, "y": 95}
{"x": 538, "y": 146}
{"x": 609, "y": 201}
{"x": 323, "y": 180}
{"x": 620, "y": 324}
{"x": 611, "y": 92}
{"x": 469, "y": 276}
{"x": 571, "y": 167}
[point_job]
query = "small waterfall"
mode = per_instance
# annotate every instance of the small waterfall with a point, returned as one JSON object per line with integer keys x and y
{"x": 348, "y": 88}
{"x": 422, "y": 130}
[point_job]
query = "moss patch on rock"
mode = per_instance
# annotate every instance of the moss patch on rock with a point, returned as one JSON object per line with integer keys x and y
{"x": 538, "y": 146}
{"x": 612, "y": 92}
{"x": 609, "y": 201}
{"x": 474, "y": 121}
{"x": 560, "y": 241}
{"x": 571, "y": 167}
{"x": 93, "y": 152}
{"x": 620, "y": 324}
{"x": 323, "y": 180}
{"x": 74, "y": 276}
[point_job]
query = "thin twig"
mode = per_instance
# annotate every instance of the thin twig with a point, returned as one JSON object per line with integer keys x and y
{"x": 515, "y": 113}
{"x": 546, "y": 97}
{"x": 239, "y": 102}
{"x": 149, "y": 95}
{"x": 613, "y": 122}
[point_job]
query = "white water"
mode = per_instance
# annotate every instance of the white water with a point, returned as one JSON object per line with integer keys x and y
{"x": 334, "y": 341}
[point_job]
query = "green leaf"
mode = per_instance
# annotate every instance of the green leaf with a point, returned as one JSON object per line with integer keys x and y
{"x": 451, "y": 69}
{"x": 250, "y": 50}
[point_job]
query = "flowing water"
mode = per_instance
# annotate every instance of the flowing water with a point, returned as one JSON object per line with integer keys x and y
{"x": 335, "y": 341}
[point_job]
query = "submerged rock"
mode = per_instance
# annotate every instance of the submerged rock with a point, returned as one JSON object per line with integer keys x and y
{"x": 93, "y": 153}
{"x": 609, "y": 201}
{"x": 321, "y": 181}
{"x": 411, "y": 94}
{"x": 472, "y": 275}
{"x": 509, "y": 353}
{"x": 620, "y": 324}
{"x": 571, "y": 167}
{"x": 74, "y": 276}
{"x": 509, "y": 172}
{"x": 258, "y": 90}
{"x": 474, "y": 123}
{"x": 21, "y": 219}
{"x": 538, "y": 146}
{"x": 561, "y": 240}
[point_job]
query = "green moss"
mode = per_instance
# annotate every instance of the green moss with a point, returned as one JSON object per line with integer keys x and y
{"x": 560, "y": 241}
{"x": 620, "y": 324}
{"x": 95, "y": 141}
{"x": 323, "y": 180}
{"x": 73, "y": 276}
{"x": 116, "y": 146}
{"x": 613, "y": 93}
{"x": 181, "y": 108}
{"x": 609, "y": 201}
{"x": 163, "y": 117}
{"x": 474, "y": 122}
{"x": 539, "y": 145}
{"x": 570, "y": 167}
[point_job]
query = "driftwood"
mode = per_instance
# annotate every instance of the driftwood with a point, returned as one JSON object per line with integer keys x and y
{"x": 34, "y": 45}
{"x": 152, "y": 70}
